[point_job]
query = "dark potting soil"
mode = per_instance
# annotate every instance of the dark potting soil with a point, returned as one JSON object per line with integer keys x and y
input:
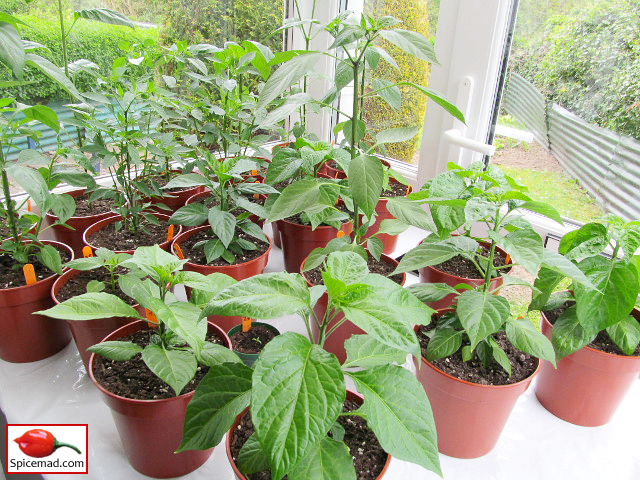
{"x": 133, "y": 379}
{"x": 397, "y": 189}
{"x": 252, "y": 341}
{"x": 522, "y": 365}
{"x": 315, "y": 275}
{"x": 124, "y": 239}
{"x": 602, "y": 342}
{"x": 12, "y": 275}
{"x": 197, "y": 255}
{"x": 77, "y": 285}
{"x": 86, "y": 209}
{"x": 463, "y": 267}
{"x": 368, "y": 456}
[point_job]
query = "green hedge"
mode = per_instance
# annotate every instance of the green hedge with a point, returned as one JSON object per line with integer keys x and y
{"x": 378, "y": 114}
{"x": 93, "y": 41}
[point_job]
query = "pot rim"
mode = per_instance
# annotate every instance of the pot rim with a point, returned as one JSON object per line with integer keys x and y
{"x": 188, "y": 233}
{"x": 76, "y": 193}
{"x": 64, "y": 269}
{"x": 472, "y": 384}
{"x": 135, "y": 401}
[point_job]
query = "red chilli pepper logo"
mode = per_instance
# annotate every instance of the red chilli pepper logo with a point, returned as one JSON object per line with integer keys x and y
{"x": 39, "y": 443}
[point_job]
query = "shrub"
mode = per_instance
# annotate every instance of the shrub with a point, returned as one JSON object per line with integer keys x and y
{"x": 378, "y": 114}
{"x": 90, "y": 40}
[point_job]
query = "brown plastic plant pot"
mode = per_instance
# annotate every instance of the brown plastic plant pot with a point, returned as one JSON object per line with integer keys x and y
{"x": 114, "y": 218}
{"x": 430, "y": 274}
{"x": 73, "y": 238}
{"x": 352, "y": 396}
{"x": 24, "y": 336}
{"x": 206, "y": 194}
{"x": 173, "y": 200}
{"x": 299, "y": 240}
{"x": 331, "y": 172}
{"x": 277, "y": 241}
{"x": 469, "y": 417}
{"x": 151, "y": 430}
{"x": 589, "y": 385}
{"x": 89, "y": 332}
{"x": 334, "y": 343}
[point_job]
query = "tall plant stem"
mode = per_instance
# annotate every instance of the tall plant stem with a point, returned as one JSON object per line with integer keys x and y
{"x": 354, "y": 129}
{"x": 11, "y": 213}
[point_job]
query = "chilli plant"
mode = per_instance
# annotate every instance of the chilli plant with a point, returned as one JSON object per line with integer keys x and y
{"x": 605, "y": 253}
{"x": 296, "y": 390}
{"x": 178, "y": 344}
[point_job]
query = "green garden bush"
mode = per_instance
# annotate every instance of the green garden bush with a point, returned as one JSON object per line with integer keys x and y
{"x": 377, "y": 113}
{"x": 93, "y": 41}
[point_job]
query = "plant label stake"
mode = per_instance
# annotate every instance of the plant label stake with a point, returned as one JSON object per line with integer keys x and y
{"x": 340, "y": 234}
{"x": 28, "y": 204}
{"x": 246, "y": 324}
{"x": 87, "y": 251}
{"x": 408, "y": 190}
{"x": 254, "y": 172}
{"x": 170, "y": 233}
{"x": 179, "y": 252}
{"x": 151, "y": 318}
{"x": 256, "y": 195}
{"x": 29, "y": 273}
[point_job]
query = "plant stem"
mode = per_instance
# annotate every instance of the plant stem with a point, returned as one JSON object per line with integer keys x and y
{"x": 11, "y": 214}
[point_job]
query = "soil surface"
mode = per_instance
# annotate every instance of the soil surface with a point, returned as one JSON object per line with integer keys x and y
{"x": 86, "y": 209}
{"x": 252, "y": 341}
{"x": 368, "y": 456}
{"x": 12, "y": 275}
{"x": 522, "y": 365}
{"x": 77, "y": 285}
{"x": 397, "y": 189}
{"x": 315, "y": 274}
{"x": 197, "y": 255}
{"x": 124, "y": 239}
{"x": 602, "y": 342}
{"x": 133, "y": 379}
{"x": 463, "y": 267}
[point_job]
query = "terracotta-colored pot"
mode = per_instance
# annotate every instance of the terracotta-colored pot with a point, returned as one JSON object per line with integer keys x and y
{"x": 329, "y": 171}
{"x": 73, "y": 238}
{"x": 206, "y": 194}
{"x": 335, "y": 342}
{"x": 277, "y": 241}
{"x": 250, "y": 358}
{"x": 24, "y": 336}
{"x": 151, "y": 430}
{"x": 588, "y": 385}
{"x": 299, "y": 240}
{"x": 352, "y": 396}
{"x": 89, "y": 332}
{"x": 431, "y": 275}
{"x": 114, "y": 218}
{"x": 469, "y": 417}
{"x": 174, "y": 200}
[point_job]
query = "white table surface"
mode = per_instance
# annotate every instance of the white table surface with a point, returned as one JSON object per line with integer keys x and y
{"x": 534, "y": 445}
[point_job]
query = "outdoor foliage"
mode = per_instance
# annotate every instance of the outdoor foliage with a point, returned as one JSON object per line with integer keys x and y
{"x": 378, "y": 114}
{"x": 588, "y": 61}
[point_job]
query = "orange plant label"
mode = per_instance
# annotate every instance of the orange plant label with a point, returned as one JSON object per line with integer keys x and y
{"x": 28, "y": 204}
{"x": 170, "y": 233}
{"x": 256, "y": 195}
{"x": 246, "y": 324}
{"x": 340, "y": 234}
{"x": 507, "y": 260}
{"x": 408, "y": 190}
{"x": 87, "y": 251}
{"x": 179, "y": 252}
{"x": 254, "y": 172}
{"x": 151, "y": 318}
{"x": 29, "y": 273}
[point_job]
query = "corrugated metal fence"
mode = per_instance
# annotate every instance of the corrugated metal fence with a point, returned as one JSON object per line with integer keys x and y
{"x": 606, "y": 164}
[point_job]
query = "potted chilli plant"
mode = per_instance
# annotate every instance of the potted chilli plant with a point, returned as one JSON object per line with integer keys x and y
{"x": 594, "y": 328}
{"x": 476, "y": 357}
{"x": 171, "y": 343}
{"x": 296, "y": 390}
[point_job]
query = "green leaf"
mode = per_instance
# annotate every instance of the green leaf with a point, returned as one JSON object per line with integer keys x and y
{"x": 252, "y": 458}
{"x": 389, "y": 92}
{"x": 525, "y": 337}
{"x": 375, "y": 247}
{"x": 155, "y": 261}
{"x": 396, "y": 135}
{"x": 365, "y": 182}
{"x": 174, "y": 367}
{"x": 50, "y": 257}
{"x": 281, "y": 168}
{"x": 560, "y": 264}
{"x": 545, "y": 283}
{"x": 348, "y": 267}
{"x": 222, "y": 394}
{"x": 181, "y": 318}
{"x": 269, "y": 295}
{"x": 411, "y": 42}
{"x": 298, "y": 392}
{"x": 524, "y": 245}
{"x": 212, "y": 283}
{"x": 392, "y": 226}
{"x": 365, "y": 351}
{"x": 410, "y": 213}
{"x": 443, "y": 342}
{"x": 614, "y": 295}
{"x": 439, "y": 99}
{"x": 500, "y": 356}
{"x": 398, "y": 411}
{"x": 223, "y": 225}
{"x": 213, "y": 354}
{"x": 104, "y": 15}
{"x": 481, "y": 314}
{"x": 447, "y": 185}
{"x": 477, "y": 209}
{"x": 29, "y": 157}
{"x": 327, "y": 460}
{"x": 95, "y": 286}
{"x": 286, "y": 75}
{"x": 192, "y": 215}
{"x": 53, "y": 72}
{"x": 427, "y": 253}
{"x": 116, "y": 350}
{"x": 431, "y": 292}
{"x": 302, "y": 196}
{"x": 626, "y": 334}
{"x": 568, "y": 335}
{"x": 63, "y": 206}
{"x": 348, "y": 131}
{"x": 44, "y": 115}
{"x": 33, "y": 183}
{"x": 91, "y": 306}
{"x": 11, "y": 49}
{"x": 543, "y": 209}
{"x": 588, "y": 240}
